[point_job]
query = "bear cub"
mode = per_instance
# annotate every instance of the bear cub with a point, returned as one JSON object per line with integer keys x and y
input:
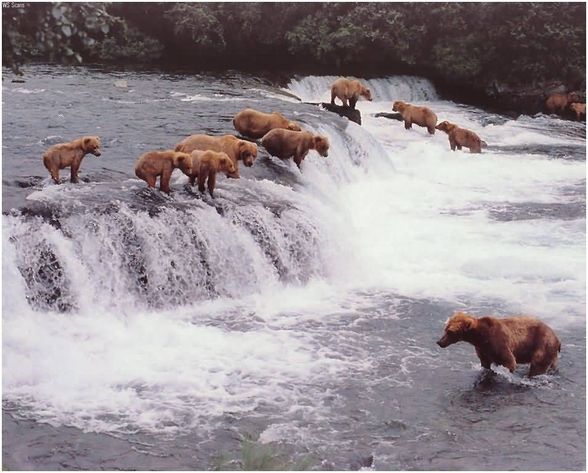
{"x": 63, "y": 155}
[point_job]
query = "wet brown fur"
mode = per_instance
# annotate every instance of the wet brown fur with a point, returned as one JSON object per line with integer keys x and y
{"x": 421, "y": 116}
{"x": 154, "y": 164}
{"x": 459, "y": 137}
{"x": 255, "y": 124}
{"x": 70, "y": 154}
{"x": 287, "y": 144}
{"x": 349, "y": 90}
{"x": 236, "y": 149}
{"x": 506, "y": 341}
{"x": 579, "y": 108}
{"x": 205, "y": 165}
{"x": 557, "y": 103}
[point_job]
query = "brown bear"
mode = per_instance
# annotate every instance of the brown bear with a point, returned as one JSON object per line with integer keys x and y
{"x": 579, "y": 108}
{"x": 254, "y": 124}
{"x": 287, "y": 144}
{"x": 64, "y": 155}
{"x": 162, "y": 163}
{"x": 505, "y": 341}
{"x": 205, "y": 165}
{"x": 348, "y": 89}
{"x": 459, "y": 137}
{"x": 235, "y": 148}
{"x": 422, "y": 116}
{"x": 557, "y": 103}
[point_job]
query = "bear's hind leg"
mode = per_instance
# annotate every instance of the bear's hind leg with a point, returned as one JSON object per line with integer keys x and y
{"x": 541, "y": 362}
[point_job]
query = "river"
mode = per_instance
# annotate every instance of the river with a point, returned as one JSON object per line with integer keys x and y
{"x": 146, "y": 331}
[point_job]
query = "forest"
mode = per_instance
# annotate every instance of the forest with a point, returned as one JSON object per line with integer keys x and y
{"x": 483, "y": 48}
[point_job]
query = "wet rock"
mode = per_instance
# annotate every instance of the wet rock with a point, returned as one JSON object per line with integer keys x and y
{"x": 361, "y": 462}
{"x": 391, "y": 116}
{"x": 351, "y": 113}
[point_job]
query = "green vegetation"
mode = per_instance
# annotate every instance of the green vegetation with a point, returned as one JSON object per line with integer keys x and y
{"x": 71, "y": 33}
{"x": 471, "y": 44}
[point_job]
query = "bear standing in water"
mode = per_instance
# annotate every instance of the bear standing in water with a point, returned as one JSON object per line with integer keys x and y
{"x": 459, "y": 137}
{"x": 557, "y": 103}
{"x": 505, "y": 341}
{"x": 161, "y": 164}
{"x": 64, "y": 155}
{"x": 579, "y": 108}
{"x": 349, "y": 90}
{"x": 421, "y": 116}
{"x": 254, "y": 124}
{"x": 205, "y": 165}
{"x": 287, "y": 144}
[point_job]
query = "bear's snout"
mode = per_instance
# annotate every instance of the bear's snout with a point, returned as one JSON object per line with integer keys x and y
{"x": 96, "y": 153}
{"x": 442, "y": 342}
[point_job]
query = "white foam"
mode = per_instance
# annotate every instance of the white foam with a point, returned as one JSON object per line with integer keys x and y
{"x": 22, "y": 90}
{"x": 318, "y": 88}
{"x": 216, "y": 98}
{"x": 424, "y": 229}
{"x": 389, "y": 210}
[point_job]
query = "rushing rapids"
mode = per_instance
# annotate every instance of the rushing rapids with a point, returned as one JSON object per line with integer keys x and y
{"x": 299, "y": 306}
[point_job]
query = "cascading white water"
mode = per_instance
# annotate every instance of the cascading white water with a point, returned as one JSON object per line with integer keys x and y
{"x": 426, "y": 225}
{"x": 161, "y": 319}
{"x": 411, "y": 88}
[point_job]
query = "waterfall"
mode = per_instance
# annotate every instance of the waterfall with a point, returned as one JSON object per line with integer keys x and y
{"x": 409, "y": 88}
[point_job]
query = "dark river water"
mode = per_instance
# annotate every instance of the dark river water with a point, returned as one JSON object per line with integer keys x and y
{"x": 299, "y": 309}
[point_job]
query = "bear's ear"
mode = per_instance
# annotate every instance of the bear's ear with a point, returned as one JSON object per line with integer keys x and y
{"x": 86, "y": 142}
{"x": 244, "y": 150}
